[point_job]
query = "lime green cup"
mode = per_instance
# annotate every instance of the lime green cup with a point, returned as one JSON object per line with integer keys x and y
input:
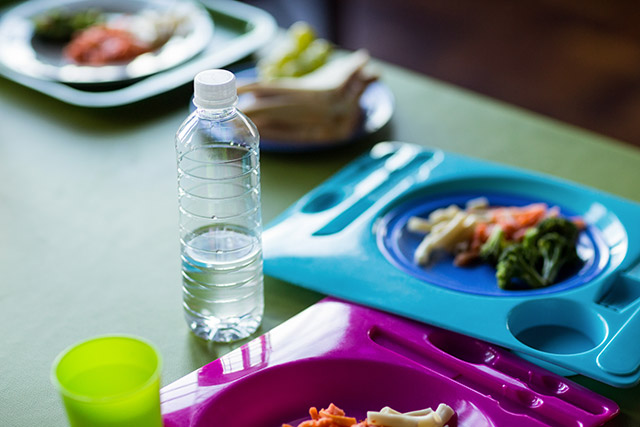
{"x": 110, "y": 381}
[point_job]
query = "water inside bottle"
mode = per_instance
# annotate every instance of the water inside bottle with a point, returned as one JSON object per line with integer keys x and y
{"x": 222, "y": 282}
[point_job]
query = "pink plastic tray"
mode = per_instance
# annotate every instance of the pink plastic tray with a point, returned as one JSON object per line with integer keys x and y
{"x": 362, "y": 359}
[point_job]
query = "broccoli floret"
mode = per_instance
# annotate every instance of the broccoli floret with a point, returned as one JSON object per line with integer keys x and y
{"x": 562, "y": 226}
{"x": 514, "y": 264}
{"x": 556, "y": 251}
{"x": 530, "y": 239}
{"x": 491, "y": 250}
{"x": 557, "y": 224}
{"x": 546, "y": 248}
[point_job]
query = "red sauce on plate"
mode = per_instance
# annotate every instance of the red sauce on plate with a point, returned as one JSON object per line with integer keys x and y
{"x": 100, "y": 45}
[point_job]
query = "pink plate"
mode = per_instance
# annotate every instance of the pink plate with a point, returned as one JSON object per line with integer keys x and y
{"x": 362, "y": 359}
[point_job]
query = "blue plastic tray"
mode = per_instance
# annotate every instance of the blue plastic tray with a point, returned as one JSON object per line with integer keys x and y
{"x": 348, "y": 238}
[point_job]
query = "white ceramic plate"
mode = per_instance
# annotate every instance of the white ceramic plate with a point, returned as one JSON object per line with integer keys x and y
{"x": 25, "y": 54}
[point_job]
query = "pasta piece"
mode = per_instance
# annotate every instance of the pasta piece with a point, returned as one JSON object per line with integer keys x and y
{"x": 388, "y": 417}
{"x": 458, "y": 229}
{"x": 419, "y": 225}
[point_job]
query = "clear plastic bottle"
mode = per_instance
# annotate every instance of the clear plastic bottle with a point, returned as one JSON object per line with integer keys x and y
{"x": 218, "y": 157}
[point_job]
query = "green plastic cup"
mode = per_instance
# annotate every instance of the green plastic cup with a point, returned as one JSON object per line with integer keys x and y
{"x": 110, "y": 381}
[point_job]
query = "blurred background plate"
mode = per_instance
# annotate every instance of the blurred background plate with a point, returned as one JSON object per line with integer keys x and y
{"x": 376, "y": 103}
{"x": 240, "y": 30}
{"x": 25, "y": 53}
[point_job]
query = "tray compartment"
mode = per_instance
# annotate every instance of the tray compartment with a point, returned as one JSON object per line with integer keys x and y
{"x": 472, "y": 363}
{"x": 557, "y": 326}
{"x": 621, "y": 355}
{"x": 373, "y": 187}
{"x": 357, "y": 179}
{"x": 476, "y": 352}
{"x": 355, "y": 385}
{"x": 624, "y": 291}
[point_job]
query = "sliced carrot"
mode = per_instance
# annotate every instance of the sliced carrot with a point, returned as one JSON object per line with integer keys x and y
{"x": 342, "y": 421}
{"x": 313, "y": 413}
{"x": 512, "y": 219}
{"x": 332, "y": 416}
{"x": 519, "y": 215}
{"x": 480, "y": 235}
{"x": 332, "y": 410}
{"x": 337, "y": 416}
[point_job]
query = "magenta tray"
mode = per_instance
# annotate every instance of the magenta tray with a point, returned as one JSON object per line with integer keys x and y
{"x": 362, "y": 359}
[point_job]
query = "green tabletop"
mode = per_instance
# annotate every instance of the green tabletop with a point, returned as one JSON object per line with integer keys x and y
{"x": 88, "y": 218}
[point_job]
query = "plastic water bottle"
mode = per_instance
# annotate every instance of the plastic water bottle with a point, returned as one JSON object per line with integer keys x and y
{"x": 220, "y": 217}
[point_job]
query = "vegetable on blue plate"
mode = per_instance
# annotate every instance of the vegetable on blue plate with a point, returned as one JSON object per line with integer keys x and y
{"x": 528, "y": 245}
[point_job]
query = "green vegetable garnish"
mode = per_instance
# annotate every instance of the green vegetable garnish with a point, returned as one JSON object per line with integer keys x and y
{"x": 299, "y": 54}
{"x": 61, "y": 24}
{"x": 515, "y": 264}
{"x": 494, "y": 246}
{"x": 543, "y": 252}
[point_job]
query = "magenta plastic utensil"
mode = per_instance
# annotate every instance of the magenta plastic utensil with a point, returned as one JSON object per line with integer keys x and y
{"x": 362, "y": 359}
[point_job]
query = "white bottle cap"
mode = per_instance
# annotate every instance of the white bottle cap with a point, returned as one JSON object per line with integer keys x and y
{"x": 215, "y": 89}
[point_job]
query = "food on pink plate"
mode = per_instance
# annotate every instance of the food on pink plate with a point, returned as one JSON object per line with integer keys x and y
{"x": 333, "y": 416}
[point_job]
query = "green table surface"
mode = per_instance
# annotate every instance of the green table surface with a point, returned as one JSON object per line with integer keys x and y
{"x": 88, "y": 218}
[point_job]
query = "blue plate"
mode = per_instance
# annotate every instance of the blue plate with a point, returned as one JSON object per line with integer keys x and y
{"x": 399, "y": 244}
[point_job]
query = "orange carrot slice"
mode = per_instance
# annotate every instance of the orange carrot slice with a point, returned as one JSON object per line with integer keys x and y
{"x": 313, "y": 413}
